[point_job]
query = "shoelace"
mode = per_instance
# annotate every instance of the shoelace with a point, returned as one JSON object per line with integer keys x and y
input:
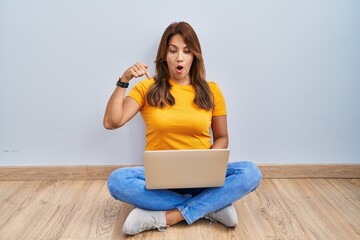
{"x": 160, "y": 227}
{"x": 210, "y": 219}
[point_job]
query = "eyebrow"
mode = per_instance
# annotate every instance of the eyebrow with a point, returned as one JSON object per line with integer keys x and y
{"x": 172, "y": 45}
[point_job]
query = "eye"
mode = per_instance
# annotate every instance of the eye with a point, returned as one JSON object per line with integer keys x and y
{"x": 172, "y": 50}
{"x": 187, "y": 51}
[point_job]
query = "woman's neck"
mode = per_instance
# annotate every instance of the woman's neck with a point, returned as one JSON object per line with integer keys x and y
{"x": 183, "y": 82}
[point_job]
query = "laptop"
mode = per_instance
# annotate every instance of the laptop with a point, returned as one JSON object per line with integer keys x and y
{"x": 195, "y": 168}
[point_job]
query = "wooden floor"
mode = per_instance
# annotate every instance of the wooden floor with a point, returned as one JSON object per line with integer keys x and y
{"x": 279, "y": 209}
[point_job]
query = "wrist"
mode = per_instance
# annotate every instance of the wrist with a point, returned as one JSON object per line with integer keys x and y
{"x": 124, "y": 79}
{"x": 122, "y": 83}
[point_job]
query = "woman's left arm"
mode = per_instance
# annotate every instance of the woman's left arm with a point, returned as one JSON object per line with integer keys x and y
{"x": 220, "y": 133}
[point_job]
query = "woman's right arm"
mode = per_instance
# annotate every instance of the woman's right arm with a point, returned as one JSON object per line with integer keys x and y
{"x": 120, "y": 110}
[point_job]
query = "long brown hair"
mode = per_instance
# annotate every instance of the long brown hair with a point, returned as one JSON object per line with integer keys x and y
{"x": 159, "y": 94}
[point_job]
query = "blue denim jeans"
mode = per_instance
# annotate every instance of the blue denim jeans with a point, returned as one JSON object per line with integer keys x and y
{"x": 128, "y": 185}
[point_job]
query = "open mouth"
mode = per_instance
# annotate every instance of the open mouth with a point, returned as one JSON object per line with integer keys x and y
{"x": 179, "y": 69}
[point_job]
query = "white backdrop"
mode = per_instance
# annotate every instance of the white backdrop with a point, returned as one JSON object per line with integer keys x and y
{"x": 290, "y": 72}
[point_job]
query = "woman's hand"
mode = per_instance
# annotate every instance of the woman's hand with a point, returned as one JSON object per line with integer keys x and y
{"x": 137, "y": 70}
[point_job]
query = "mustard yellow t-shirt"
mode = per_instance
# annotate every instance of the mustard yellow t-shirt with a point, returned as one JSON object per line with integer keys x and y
{"x": 181, "y": 126}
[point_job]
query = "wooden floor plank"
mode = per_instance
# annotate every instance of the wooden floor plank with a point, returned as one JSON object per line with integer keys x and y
{"x": 67, "y": 200}
{"x": 295, "y": 202}
{"x": 82, "y": 222}
{"x": 336, "y": 197}
{"x": 16, "y": 207}
{"x": 68, "y": 192}
{"x": 106, "y": 216}
{"x": 30, "y": 215}
{"x": 274, "y": 217}
{"x": 321, "y": 218}
{"x": 339, "y": 221}
{"x": 350, "y": 187}
{"x": 247, "y": 228}
{"x": 12, "y": 195}
{"x": 54, "y": 222}
{"x": 104, "y": 212}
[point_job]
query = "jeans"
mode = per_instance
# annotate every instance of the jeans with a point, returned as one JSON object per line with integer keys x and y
{"x": 128, "y": 185}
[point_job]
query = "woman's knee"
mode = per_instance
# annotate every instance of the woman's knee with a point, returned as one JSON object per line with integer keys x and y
{"x": 249, "y": 174}
{"x": 119, "y": 181}
{"x": 114, "y": 181}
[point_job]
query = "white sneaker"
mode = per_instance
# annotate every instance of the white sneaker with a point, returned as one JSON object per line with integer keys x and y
{"x": 140, "y": 220}
{"x": 226, "y": 216}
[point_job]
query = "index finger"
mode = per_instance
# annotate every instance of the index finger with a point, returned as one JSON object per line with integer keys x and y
{"x": 147, "y": 74}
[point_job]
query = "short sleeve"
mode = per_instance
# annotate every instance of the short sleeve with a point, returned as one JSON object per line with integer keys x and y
{"x": 219, "y": 100}
{"x": 139, "y": 91}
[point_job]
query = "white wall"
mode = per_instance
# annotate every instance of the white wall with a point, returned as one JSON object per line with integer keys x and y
{"x": 290, "y": 71}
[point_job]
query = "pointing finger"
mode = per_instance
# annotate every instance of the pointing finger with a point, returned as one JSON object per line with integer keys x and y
{"x": 147, "y": 74}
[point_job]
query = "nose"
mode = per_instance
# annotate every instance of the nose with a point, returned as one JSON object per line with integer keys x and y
{"x": 180, "y": 56}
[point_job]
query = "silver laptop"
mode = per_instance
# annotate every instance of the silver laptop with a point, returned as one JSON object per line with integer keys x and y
{"x": 171, "y": 169}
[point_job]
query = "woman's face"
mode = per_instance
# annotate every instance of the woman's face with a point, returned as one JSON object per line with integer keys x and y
{"x": 179, "y": 60}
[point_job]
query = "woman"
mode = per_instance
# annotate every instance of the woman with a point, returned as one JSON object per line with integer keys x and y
{"x": 178, "y": 107}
